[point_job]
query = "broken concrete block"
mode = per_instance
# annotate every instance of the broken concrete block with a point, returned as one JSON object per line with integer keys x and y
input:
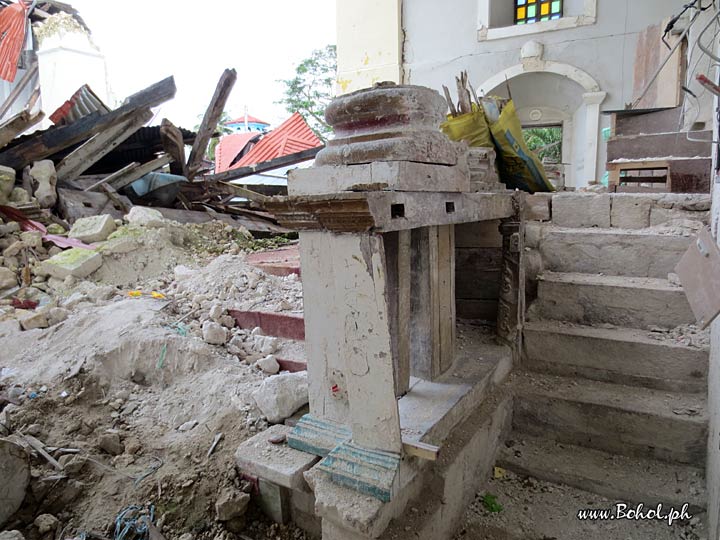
{"x": 7, "y": 182}
{"x": 93, "y": 229}
{"x": 281, "y": 395}
{"x": 33, "y": 320}
{"x": 19, "y": 196}
{"x": 13, "y": 249}
{"x": 32, "y": 239}
{"x": 110, "y": 443}
{"x": 120, "y": 245}
{"x": 75, "y": 262}
{"x": 46, "y": 523}
{"x": 231, "y": 504}
{"x": 143, "y": 216}
{"x": 630, "y": 211}
{"x": 8, "y": 279}
{"x": 269, "y": 364}
{"x": 579, "y": 210}
{"x": 214, "y": 333}
{"x": 44, "y": 175}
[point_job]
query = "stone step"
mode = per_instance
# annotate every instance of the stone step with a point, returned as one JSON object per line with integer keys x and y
{"x": 636, "y": 302}
{"x": 621, "y": 478}
{"x": 616, "y": 355}
{"x": 609, "y": 251}
{"x": 635, "y": 422}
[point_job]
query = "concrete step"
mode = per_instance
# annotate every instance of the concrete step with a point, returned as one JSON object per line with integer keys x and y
{"x": 636, "y": 302}
{"x": 635, "y": 422}
{"x": 616, "y": 355}
{"x": 609, "y": 251}
{"x": 620, "y": 478}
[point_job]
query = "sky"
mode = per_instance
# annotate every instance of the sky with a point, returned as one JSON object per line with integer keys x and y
{"x": 145, "y": 41}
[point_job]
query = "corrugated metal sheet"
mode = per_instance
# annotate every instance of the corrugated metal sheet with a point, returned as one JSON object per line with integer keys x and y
{"x": 292, "y": 136}
{"x": 82, "y": 103}
{"x": 230, "y": 147}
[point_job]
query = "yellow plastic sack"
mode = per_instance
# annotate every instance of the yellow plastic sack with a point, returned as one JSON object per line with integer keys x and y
{"x": 519, "y": 167}
{"x": 471, "y": 127}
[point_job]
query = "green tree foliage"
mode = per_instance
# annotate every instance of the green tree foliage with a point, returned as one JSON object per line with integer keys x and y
{"x": 545, "y": 142}
{"x": 312, "y": 88}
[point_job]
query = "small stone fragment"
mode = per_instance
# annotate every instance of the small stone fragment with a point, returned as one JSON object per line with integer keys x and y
{"x": 93, "y": 229}
{"x": 8, "y": 279}
{"x": 269, "y": 364}
{"x": 145, "y": 217}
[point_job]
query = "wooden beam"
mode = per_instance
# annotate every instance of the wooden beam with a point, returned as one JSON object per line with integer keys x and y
{"x": 421, "y": 450}
{"x": 210, "y": 120}
{"x": 140, "y": 171}
{"x": 114, "y": 176}
{"x": 58, "y": 138}
{"x": 172, "y": 142}
{"x": 239, "y": 191}
{"x": 284, "y": 161}
{"x": 84, "y": 157}
{"x": 17, "y": 125}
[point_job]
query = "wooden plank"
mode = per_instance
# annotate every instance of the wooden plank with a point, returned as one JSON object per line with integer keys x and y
{"x": 174, "y": 145}
{"x": 140, "y": 171}
{"x": 17, "y": 125}
{"x": 284, "y": 161}
{"x": 404, "y": 307}
{"x": 636, "y": 165}
{"x": 659, "y": 146}
{"x": 649, "y": 54}
{"x": 58, "y": 138}
{"x": 434, "y": 305}
{"x": 422, "y": 339}
{"x": 446, "y": 296}
{"x": 401, "y": 362}
{"x": 240, "y": 191}
{"x": 114, "y": 176}
{"x": 98, "y": 146}
{"x": 210, "y": 120}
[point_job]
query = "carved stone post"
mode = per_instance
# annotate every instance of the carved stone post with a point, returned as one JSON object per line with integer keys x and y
{"x": 511, "y": 307}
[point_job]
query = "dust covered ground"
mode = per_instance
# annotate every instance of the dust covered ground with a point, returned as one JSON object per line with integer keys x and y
{"x": 130, "y": 391}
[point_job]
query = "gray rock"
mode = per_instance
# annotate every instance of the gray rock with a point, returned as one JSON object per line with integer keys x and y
{"x": 269, "y": 364}
{"x": 8, "y": 280}
{"x": 281, "y": 395}
{"x": 46, "y": 523}
{"x": 44, "y": 175}
{"x": 11, "y": 535}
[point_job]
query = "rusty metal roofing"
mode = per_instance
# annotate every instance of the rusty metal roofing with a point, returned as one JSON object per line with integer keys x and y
{"x": 292, "y": 136}
{"x": 230, "y": 147}
{"x": 82, "y": 103}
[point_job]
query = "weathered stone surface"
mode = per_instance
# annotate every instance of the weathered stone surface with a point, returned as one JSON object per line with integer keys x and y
{"x": 661, "y": 216}
{"x": 281, "y": 395}
{"x": 8, "y": 280}
{"x": 231, "y": 504}
{"x": 146, "y": 217}
{"x": 630, "y": 211}
{"x": 15, "y": 474}
{"x": 75, "y": 262}
{"x": 44, "y": 175}
{"x": 537, "y": 207}
{"x": 13, "y": 249}
{"x": 214, "y": 333}
{"x": 581, "y": 210}
{"x": 93, "y": 229}
{"x": 11, "y": 535}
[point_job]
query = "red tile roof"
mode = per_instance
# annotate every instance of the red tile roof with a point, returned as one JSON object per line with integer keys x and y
{"x": 292, "y": 136}
{"x": 251, "y": 120}
{"x": 230, "y": 147}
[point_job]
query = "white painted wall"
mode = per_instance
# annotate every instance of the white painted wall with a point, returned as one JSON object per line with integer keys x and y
{"x": 441, "y": 40}
{"x": 66, "y": 61}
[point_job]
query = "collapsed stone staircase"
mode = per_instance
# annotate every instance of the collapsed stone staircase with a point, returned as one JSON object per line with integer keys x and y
{"x": 611, "y": 394}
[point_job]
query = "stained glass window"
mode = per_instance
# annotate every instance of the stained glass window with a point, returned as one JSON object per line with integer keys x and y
{"x": 530, "y": 11}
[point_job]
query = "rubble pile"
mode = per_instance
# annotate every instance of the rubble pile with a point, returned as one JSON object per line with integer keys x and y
{"x": 131, "y": 378}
